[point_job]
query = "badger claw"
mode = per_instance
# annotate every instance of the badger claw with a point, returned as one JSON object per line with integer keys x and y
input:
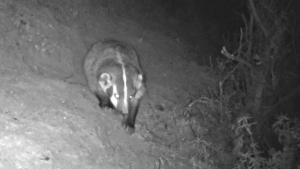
{"x": 130, "y": 130}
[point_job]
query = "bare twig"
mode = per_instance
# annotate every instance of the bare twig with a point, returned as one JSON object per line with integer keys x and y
{"x": 201, "y": 100}
{"x": 239, "y": 51}
{"x": 232, "y": 57}
{"x": 256, "y": 17}
{"x": 258, "y": 93}
{"x": 222, "y": 82}
{"x": 230, "y": 73}
{"x": 250, "y": 38}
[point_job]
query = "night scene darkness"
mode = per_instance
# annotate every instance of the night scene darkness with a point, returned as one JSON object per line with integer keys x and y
{"x": 149, "y": 84}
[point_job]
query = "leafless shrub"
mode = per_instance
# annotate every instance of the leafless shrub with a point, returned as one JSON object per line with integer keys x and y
{"x": 250, "y": 72}
{"x": 250, "y": 155}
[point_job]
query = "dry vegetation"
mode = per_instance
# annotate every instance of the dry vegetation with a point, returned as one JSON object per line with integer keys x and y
{"x": 247, "y": 107}
{"x": 249, "y": 87}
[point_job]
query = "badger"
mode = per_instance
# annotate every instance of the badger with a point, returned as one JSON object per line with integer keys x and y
{"x": 114, "y": 75}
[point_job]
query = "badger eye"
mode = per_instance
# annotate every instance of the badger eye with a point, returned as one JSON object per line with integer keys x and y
{"x": 116, "y": 95}
{"x": 131, "y": 97}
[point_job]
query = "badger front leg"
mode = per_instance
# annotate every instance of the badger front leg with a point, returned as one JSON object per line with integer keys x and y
{"x": 129, "y": 119}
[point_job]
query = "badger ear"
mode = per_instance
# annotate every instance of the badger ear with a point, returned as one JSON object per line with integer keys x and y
{"x": 140, "y": 77}
{"x": 105, "y": 81}
{"x": 139, "y": 81}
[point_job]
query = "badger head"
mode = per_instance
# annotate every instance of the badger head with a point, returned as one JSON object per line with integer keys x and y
{"x": 124, "y": 86}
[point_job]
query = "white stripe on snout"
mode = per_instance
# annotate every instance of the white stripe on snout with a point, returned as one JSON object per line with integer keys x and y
{"x": 125, "y": 89}
{"x": 113, "y": 98}
{"x": 124, "y": 77}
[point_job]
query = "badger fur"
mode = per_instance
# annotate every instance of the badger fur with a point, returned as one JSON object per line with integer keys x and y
{"x": 113, "y": 73}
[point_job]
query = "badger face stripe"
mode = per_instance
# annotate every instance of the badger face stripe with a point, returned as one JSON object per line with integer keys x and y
{"x": 125, "y": 89}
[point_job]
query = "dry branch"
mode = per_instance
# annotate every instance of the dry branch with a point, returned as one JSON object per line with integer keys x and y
{"x": 257, "y": 18}
{"x": 233, "y": 57}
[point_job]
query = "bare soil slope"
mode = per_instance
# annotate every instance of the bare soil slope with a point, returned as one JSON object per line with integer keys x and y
{"x": 50, "y": 120}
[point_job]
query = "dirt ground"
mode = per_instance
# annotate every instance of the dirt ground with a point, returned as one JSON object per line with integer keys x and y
{"x": 49, "y": 119}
